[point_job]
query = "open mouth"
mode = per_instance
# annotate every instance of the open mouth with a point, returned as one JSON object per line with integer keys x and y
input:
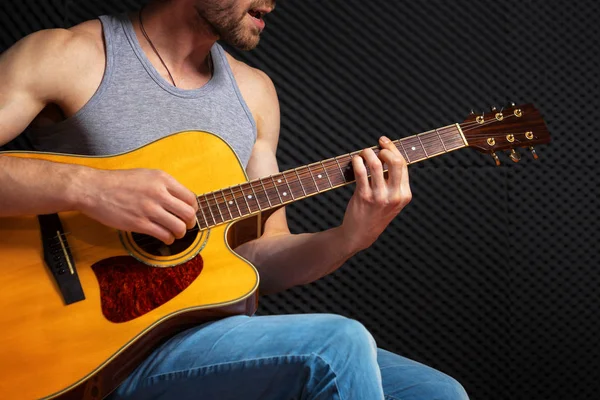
{"x": 257, "y": 14}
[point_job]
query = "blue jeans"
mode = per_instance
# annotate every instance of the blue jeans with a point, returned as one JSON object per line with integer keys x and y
{"x": 307, "y": 356}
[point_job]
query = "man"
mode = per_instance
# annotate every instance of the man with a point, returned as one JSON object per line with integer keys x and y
{"x": 111, "y": 85}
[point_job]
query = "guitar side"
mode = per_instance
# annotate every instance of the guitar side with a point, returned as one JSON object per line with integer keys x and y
{"x": 49, "y": 349}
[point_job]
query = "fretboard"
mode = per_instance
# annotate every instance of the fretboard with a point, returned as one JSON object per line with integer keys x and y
{"x": 237, "y": 202}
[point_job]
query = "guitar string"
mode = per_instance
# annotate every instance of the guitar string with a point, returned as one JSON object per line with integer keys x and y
{"x": 274, "y": 187}
{"x": 209, "y": 204}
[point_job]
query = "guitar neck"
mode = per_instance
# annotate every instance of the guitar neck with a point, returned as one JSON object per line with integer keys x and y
{"x": 240, "y": 201}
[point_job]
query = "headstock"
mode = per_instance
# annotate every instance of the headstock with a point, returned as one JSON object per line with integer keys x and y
{"x": 506, "y": 129}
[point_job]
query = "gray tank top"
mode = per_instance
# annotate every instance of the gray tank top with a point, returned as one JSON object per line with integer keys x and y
{"x": 135, "y": 105}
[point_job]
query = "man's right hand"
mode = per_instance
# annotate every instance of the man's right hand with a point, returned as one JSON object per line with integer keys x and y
{"x": 138, "y": 200}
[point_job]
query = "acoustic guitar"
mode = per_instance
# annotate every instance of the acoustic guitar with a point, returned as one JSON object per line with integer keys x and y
{"x": 83, "y": 304}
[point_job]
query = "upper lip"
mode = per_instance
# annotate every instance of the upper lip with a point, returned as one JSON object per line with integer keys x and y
{"x": 262, "y": 10}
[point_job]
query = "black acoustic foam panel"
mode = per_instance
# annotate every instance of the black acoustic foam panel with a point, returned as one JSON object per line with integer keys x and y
{"x": 491, "y": 273}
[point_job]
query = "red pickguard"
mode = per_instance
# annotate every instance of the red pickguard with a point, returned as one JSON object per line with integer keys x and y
{"x": 129, "y": 288}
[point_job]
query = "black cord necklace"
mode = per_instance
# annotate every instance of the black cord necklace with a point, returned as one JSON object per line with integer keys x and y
{"x": 154, "y": 48}
{"x": 210, "y": 68}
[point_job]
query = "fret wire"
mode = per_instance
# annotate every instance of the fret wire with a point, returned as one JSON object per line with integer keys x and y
{"x": 300, "y": 181}
{"x": 266, "y": 193}
{"x": 255, "y": 196}
{"x": 399, "y": 149}
{"x": 340, "y": 167}
{"x": 226, "y": 203}
{"x": 245, "y": 199}
{"x": 218, "y": 208}
{"x": 235, "y": 200}
{"x": 288, "y": 185}
{"x": 326, "y": 174}
{"x": 313, "y": 178}
{"x": 440, "y": 137}
{"x": 423, "y": 146}
{"x": 210, "y": 209}
{"x": 276, "y": 189}
{"x": 445, "y": 131}
{"x": 202, "y": 211}
{"x": 434, "y": 146}
{"x": 405, "y": 152}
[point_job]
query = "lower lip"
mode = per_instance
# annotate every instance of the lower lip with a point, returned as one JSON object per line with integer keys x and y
{"x": 260, "y": 24}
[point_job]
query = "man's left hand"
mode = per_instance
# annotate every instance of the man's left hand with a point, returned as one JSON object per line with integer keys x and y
{"x": 377, "y": 201}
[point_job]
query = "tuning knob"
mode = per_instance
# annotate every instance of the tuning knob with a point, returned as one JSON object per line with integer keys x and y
{"x": 533, "y": 153}
{"x": 516, "y": 157}
{"x": 496, "y": 159}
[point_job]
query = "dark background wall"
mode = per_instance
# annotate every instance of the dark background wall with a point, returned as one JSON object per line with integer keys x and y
{"x": 491, "y": 273}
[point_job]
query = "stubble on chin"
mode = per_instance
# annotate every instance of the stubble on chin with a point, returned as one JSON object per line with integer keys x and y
{"x": 221, "y": 23}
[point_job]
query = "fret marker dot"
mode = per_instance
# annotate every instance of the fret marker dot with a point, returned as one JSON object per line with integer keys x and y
{"x": 319, "y": 176}
{"x": 278, "y": 180}
{"x": 250, "y": 196}
{"x": 231, "y": 202}
{"x": 413, "y": 148}
{"x": 285, "y": 193}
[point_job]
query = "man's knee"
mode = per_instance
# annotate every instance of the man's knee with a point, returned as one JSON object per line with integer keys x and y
{"x": 343, "y": 343}
{"x": 344, "y": 332}
{"x": 350, "y": 353}
{"x": 444, "y": 388}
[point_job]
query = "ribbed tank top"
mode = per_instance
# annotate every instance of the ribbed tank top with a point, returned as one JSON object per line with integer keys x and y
{"x": 134, "y": 105}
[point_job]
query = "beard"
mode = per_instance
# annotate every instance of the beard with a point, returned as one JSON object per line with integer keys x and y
{"x": 226, "y": 20}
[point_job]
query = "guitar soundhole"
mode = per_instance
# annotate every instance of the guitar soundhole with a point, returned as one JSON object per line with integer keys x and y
{"x": 156, "y": 247}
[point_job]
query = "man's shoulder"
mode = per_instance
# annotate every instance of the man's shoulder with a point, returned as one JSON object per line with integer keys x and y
{"x": 88, "y": 33}
{"x": 78, "y": 41}
{"x": 46, "y": 64}
{"x": 52, "y": 51}
{"x": 257, "y": 90}
{"x": 249, "y": 76}
{"x": 85, "y": 42}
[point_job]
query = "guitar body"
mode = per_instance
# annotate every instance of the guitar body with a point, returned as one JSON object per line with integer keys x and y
{"x": 84, "y": 349}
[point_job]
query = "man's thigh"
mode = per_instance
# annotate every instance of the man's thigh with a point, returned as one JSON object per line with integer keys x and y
{"x": 265, "y": 357}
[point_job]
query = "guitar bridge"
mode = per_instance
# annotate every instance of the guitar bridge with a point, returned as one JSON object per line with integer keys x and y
{"x": 59, "y": 259}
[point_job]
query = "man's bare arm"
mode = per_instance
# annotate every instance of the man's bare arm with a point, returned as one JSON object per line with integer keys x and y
{"x": 38, "y": 71}
{"x": 285, "y": 260}
{"x": 30, "y": 79}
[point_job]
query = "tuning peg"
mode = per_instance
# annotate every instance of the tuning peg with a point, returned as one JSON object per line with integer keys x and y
{"x": 496, "y": 159}
{"x": 516, "y": 157}
{"x": 533, "y": 153}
